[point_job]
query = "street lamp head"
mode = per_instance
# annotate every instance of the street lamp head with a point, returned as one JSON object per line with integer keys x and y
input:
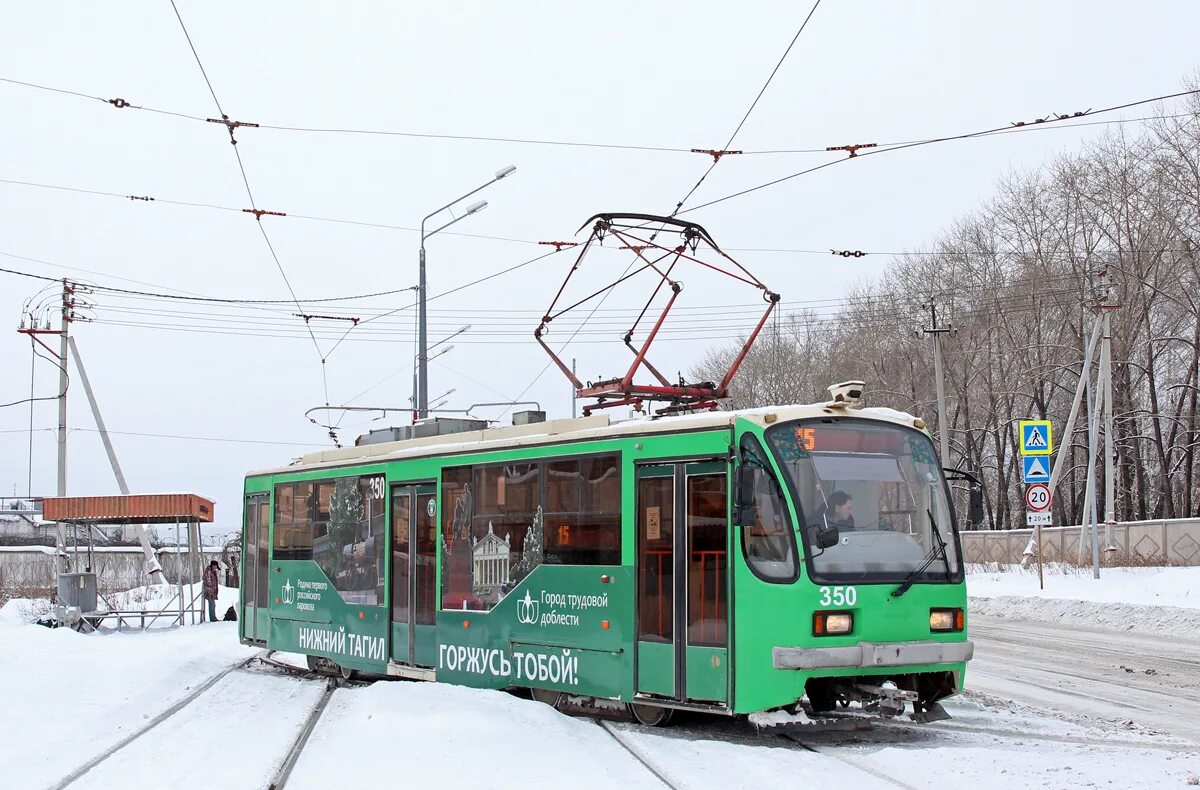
{"x": 505, "y": 172}
{"x": 475, "y": 208}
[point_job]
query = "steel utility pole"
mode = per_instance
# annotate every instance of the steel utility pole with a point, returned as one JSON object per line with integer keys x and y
{"x": 422, "y": 405}
{"x": 939, "y": 377}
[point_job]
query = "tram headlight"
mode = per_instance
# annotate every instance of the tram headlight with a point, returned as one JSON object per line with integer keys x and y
{"x": 832, "y": 623}
{"x": 945, "y": 619}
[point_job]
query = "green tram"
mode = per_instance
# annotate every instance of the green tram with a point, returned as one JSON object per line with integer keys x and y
{"x": 731, "y": 562}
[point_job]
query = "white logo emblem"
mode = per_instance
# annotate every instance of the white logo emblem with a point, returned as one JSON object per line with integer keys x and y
{"x": 431, "y": 508}
{"x": 528, "y": 609}
{"x": 289, "y": 592}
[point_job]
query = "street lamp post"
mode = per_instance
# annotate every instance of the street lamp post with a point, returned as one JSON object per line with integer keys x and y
{"x": 422, "y": 405}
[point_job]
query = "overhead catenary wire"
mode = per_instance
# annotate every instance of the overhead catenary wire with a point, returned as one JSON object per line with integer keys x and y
{"x": 517, "y": 140}
{"x": 363, "y": 223}
{"x": 250, "y": 195}
{"x": 936, "y": 140}
{"x": 717, "y": 156}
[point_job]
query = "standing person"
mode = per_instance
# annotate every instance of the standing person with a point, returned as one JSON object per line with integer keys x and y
{"x": 210, "y": 591}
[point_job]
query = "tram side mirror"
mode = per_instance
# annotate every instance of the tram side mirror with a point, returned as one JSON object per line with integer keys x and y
{"x": 744, "y": 502}
{"x": 827, "y": 536}
{"x": 975, "y": 505}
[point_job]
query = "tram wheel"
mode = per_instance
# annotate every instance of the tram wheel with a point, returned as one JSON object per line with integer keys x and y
{"x": 547, "y": 696}
{"x": 347, "y": 673}
{"x": 650, "y": 715}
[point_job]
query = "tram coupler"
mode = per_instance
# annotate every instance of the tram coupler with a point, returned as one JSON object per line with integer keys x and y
{"x": 886, "y": 699}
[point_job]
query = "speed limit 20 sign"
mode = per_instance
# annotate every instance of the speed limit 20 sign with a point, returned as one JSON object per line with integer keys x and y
{"x": 1038, "y": 498}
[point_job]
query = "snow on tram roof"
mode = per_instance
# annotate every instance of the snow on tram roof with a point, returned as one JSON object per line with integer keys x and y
{"x": 597, "y": 426}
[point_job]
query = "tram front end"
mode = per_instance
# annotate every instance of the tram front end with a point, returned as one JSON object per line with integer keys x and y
{"x": 852, "y": 589}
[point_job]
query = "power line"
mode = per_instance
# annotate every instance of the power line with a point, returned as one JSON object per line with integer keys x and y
{"x": 223, "y": 439}
{"x": 39, "y": 355}
{"x": 193, "y": 298}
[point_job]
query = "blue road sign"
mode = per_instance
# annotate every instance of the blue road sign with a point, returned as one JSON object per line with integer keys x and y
{"x": 1036, "y": 437}
{"x": 1035, "y": 469}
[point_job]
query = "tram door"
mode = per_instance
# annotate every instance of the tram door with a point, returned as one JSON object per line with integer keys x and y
{"x": 683, "y": 581}
{"x": 256, "y": 548}
{"x": 414, "y": 573}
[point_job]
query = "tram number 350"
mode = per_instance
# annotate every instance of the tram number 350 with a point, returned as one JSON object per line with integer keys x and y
{"x": 838, "y": 596}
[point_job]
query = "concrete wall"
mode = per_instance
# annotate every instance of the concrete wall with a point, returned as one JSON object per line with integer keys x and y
{"x": 1176, "y": 541}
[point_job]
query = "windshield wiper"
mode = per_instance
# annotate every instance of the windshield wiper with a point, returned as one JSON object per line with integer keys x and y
{"x": 939, "y": 549}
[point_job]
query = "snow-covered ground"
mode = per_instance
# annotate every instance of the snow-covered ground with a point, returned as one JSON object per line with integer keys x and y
{"x": 70, "y": 698}
{"x": 1178, "y": 586}
{"x": 1150, "y": 600}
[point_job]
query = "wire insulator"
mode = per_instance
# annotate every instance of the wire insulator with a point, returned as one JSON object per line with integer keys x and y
{"x": 558, "y": 245}
{"x": 715, "y": 154}
{"x": 851, "y": 149}
{"x": 120, "y": 104}
{"x": 258, "y": 213}
{"x": 848, "y": 253}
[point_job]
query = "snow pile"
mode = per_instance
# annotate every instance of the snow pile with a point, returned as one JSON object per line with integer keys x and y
{"x": 774, "y": 718}
{"x": 69, "y": 697}
{"x": 1150, "y": 600}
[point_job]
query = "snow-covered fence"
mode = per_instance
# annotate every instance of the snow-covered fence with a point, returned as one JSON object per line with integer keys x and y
{"x": 1169, "y": 541}
{"x": 116, "y": 567}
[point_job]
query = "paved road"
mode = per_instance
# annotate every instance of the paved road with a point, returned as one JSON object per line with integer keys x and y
{"x": 1153, "y": 680}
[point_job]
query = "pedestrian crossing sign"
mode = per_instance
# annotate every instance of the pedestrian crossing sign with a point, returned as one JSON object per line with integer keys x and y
{"x": 1036, "y": 437}
{"x": 1035, "y": 469}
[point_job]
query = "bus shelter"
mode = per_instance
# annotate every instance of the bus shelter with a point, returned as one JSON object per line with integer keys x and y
{"x": 77, "y": 587}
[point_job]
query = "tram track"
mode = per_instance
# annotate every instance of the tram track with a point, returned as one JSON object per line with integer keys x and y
{"x": 832, "y": 753}
{"x": 637, "y": 753}
{"x": 274, "y": 666}
{"x": 179, "y": 705}
{"x": 279, "y": 780}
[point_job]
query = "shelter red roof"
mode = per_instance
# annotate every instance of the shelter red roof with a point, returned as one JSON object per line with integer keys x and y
{"x": 129, "y": 509}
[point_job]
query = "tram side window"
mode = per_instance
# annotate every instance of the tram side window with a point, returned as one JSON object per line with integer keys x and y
{"x": 293, "y": 521}
{"x": 455, "y": 507}
{"x": 506, "y": 529}
{"x": 501, "y": 521}
{"x": 769, "y": 543}
{"x": 348, "y": 535}
{"x": 583, "y": 511}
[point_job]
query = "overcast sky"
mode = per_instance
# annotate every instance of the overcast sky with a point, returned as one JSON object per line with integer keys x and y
{"x": 673, "y": 75}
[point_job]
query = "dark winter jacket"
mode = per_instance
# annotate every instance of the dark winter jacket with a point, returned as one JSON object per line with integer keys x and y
{"x": 210, "y": 583}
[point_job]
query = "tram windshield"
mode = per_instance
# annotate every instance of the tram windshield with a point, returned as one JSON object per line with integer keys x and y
{"x": 872, "y": 499}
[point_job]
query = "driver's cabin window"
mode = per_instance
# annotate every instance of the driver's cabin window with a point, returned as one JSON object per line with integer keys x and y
{"x": 768, "y": 543}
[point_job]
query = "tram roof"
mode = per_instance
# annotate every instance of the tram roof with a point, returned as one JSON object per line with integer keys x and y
{"x": 597, "y": 426}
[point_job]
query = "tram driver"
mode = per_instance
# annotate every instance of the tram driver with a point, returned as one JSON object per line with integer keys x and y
{"x": 838, "y": 511}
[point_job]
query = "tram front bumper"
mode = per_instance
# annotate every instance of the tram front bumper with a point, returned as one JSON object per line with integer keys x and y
{"x": 873, "y": 654}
